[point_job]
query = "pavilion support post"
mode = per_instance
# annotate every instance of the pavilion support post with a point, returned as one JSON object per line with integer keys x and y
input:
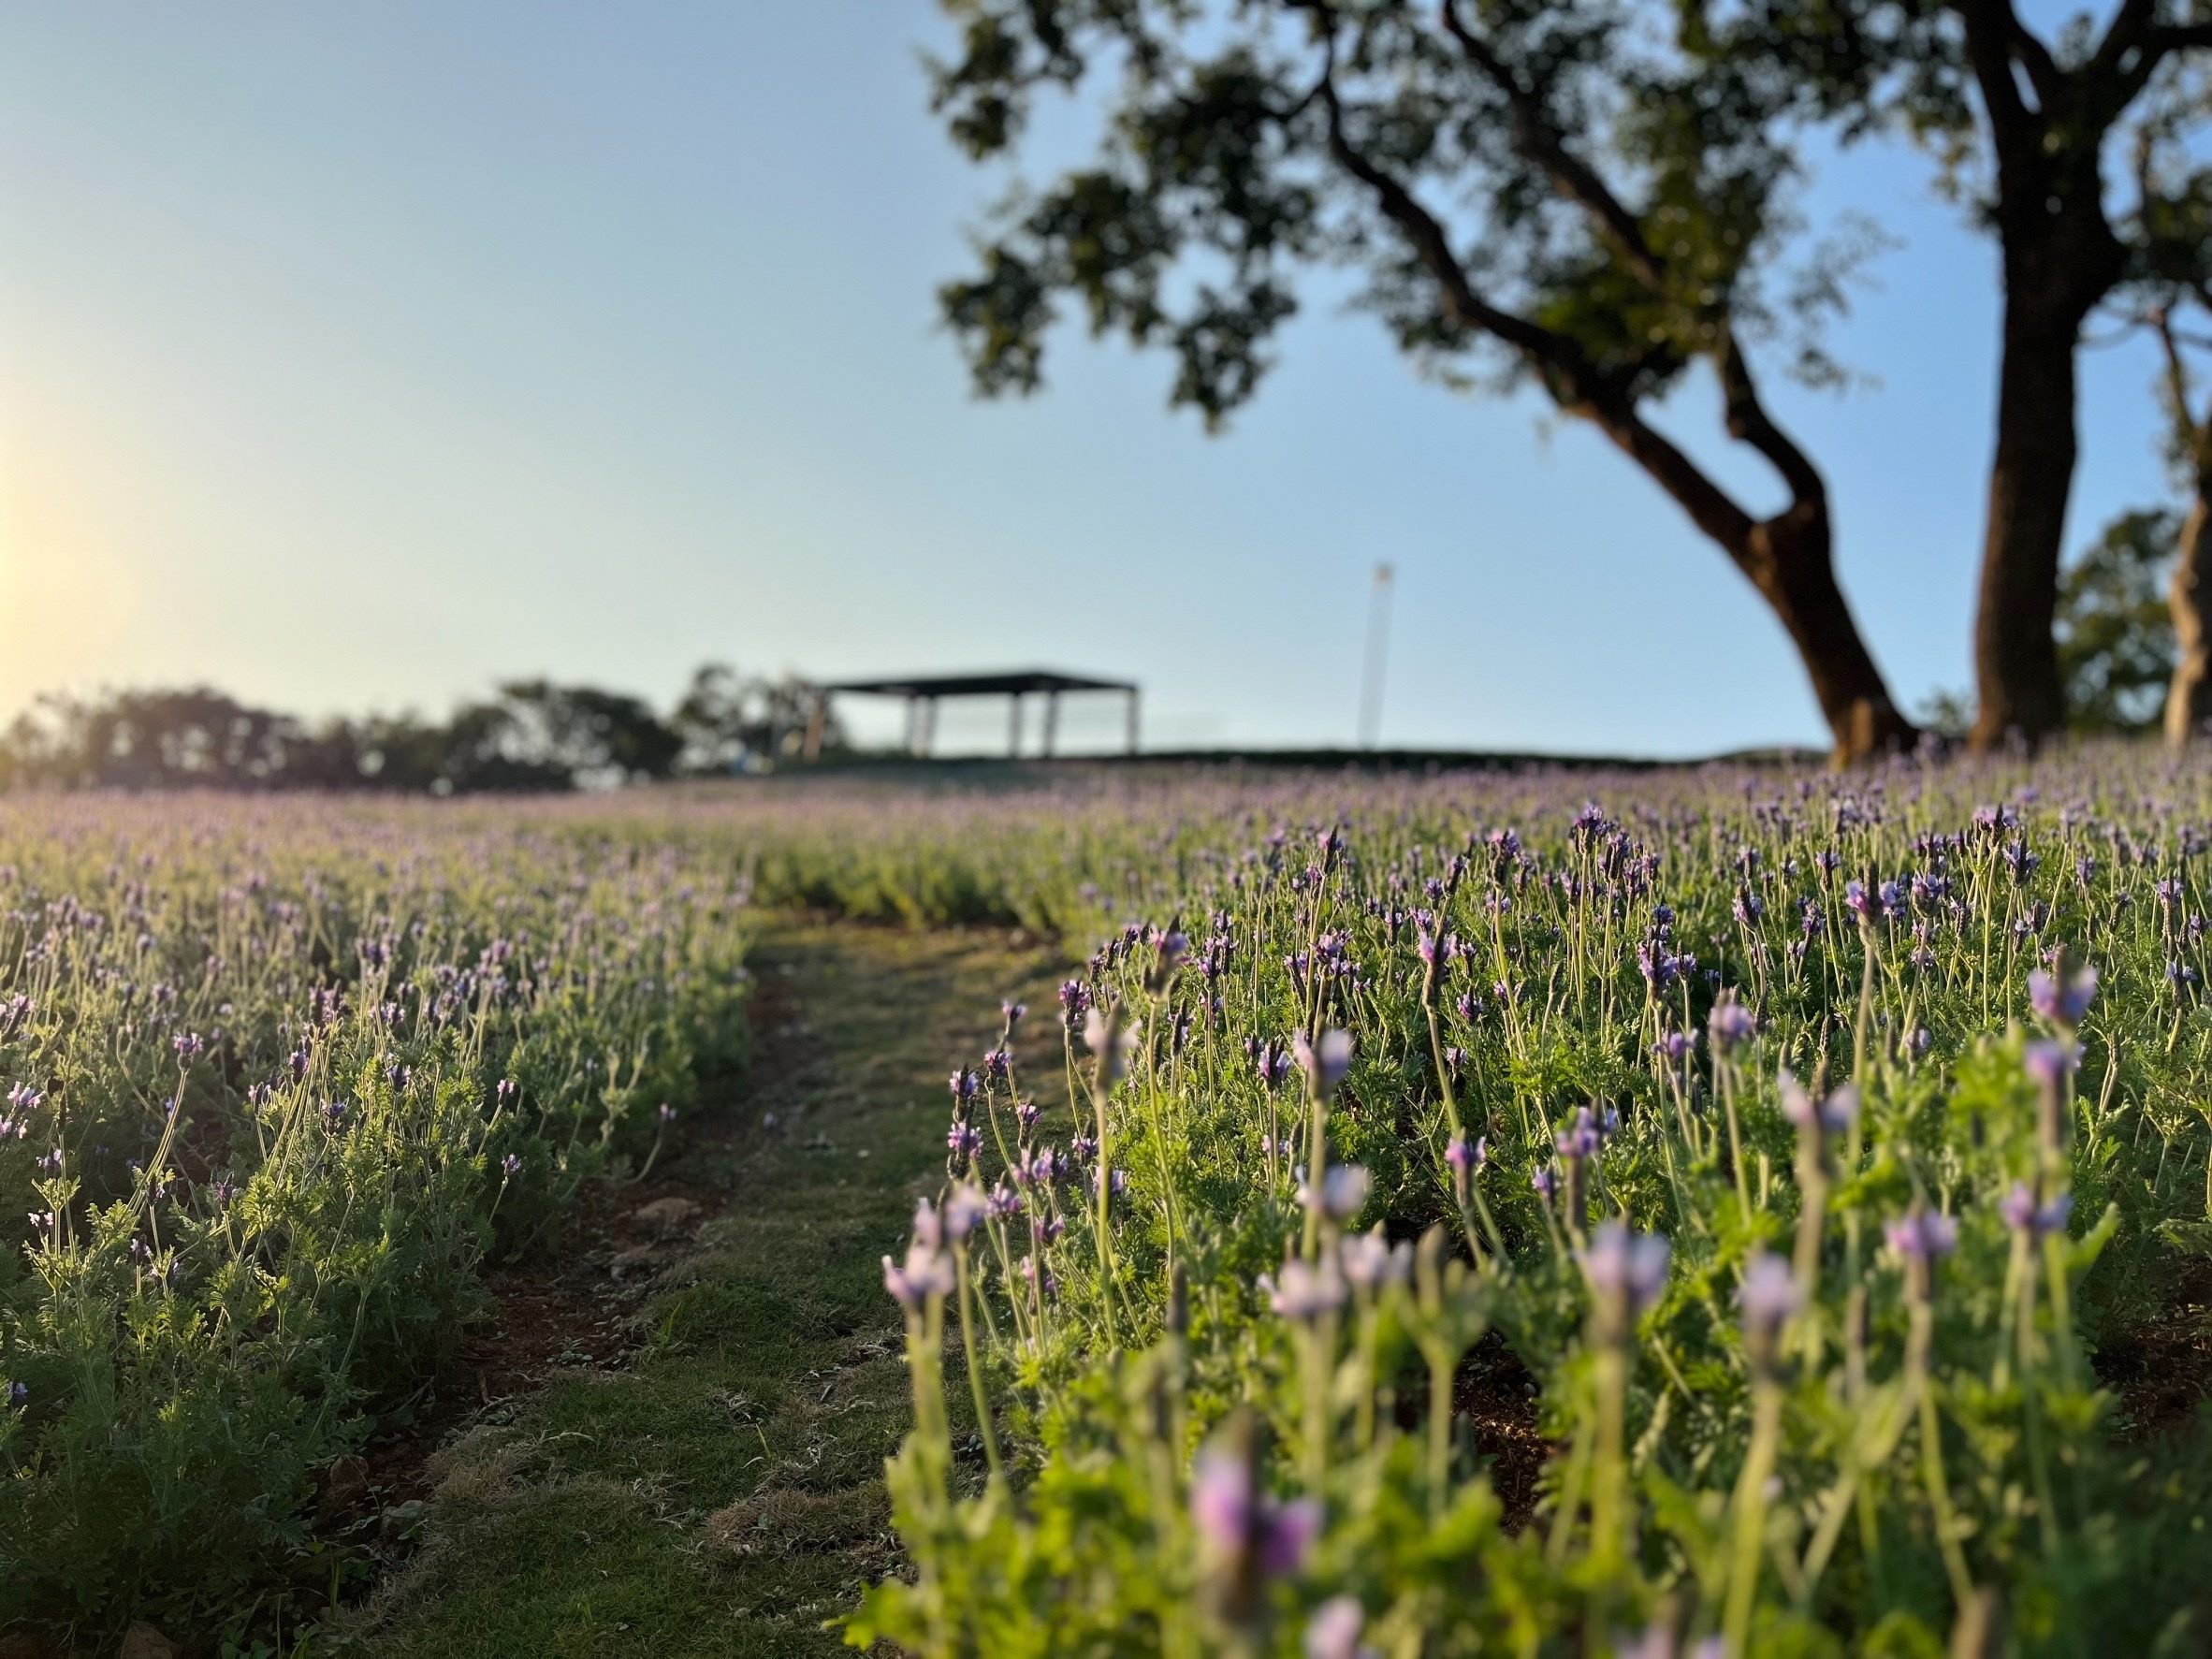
{"x": 817, "y": 718}
{"x": 1132, "y": 719}
{"x": 1013, "y": 727}
{"x": 913, "y": 725}
{"x": 928, "y": 726}
{"x": 1051, "y": 722}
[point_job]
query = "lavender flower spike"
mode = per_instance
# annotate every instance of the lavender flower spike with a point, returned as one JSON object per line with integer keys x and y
{"x": 1325, "y": 1062}
{"x": 1768, "y": 1297}
{"x": 2063, "y": 1001}
{"x": 1626, "y": 1269}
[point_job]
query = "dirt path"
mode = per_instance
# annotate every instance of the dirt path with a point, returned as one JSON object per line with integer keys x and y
{"x": 705, "y": 1476}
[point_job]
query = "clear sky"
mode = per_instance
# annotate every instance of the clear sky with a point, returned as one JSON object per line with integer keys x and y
{"x": 361, "y": 356}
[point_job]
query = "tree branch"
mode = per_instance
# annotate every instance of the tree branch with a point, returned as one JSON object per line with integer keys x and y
{"x": 2176, "y": 38}
{"x": 2130, "y": 53}
{"x": 1574, "y": 381}
{"x": 2177, "y": 387}
{"x": 2124, "y": 34}
{"x": 2044, "y": 73}
{"x": 1992, "y": 31}
{"x": 1750, "y": 423}
{"x": 1546, "y": 349}
{"x": 1545, "y": 147}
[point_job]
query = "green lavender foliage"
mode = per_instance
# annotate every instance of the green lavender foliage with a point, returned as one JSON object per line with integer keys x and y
{"x": 1877, "y": 1399}
{"x": 282, "y": 1078}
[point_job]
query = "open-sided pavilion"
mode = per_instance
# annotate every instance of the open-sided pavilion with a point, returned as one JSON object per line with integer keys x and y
{"x": 922, "y": 693}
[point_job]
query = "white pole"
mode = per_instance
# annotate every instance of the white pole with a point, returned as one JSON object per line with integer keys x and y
{"x": 1378, "y": 638}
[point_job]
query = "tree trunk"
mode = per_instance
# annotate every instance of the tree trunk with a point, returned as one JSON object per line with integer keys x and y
{"x": 2189, "y": 697}
{"x": 2016, "y": 659}
{"x": 1789, "y": 561}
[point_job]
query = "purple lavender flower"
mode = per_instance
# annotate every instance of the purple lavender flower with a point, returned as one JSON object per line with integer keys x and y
{"x": 964, "y": 1207}
{"x": 1325, "y": 1062}
{"x": 511, "y": 1165}
{"x": 926, "y": 1272}
{"x": 1237, "y": 1526}
{"x": 1465, "y": 1159}
{"x": 2063, "y": 1001}
{"x": 1869, "y": 906}
{"x": 1332, "y": 1630}
{"x": 1626, "y": 1270}
{"x": 1730, "y": 1022}
{"x": 1831, "y": 1115}
{"x": 1344, "y": 1190}
{"x": 1111, "y": 1041}
{"x": 2022, "y": 1214}
{"x": 1305, "y": 1291}
{"x": 1923, "y": 1235}
{"x": 1371, "y": 1261}
{"x": 2050, "y": 1063}
{"x": 928, "y": 1227}
{"x": 1075, "y": 1001}
{"x": 1769, "y": 1296}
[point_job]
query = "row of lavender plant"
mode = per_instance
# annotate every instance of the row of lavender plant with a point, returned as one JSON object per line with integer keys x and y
{"x": 1824, "y": 1148}
{"x": 276, "y": 1081}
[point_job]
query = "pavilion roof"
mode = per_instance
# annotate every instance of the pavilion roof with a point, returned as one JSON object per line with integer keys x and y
{"x": 1005, "y": 684}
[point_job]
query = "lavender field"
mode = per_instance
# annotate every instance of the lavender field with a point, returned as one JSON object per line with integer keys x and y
{"x": 1715, "y": 1211}
{"x": 1831, "y": 1153}
{"x": 279, "y": 1078}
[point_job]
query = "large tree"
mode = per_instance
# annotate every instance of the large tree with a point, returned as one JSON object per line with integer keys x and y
{"x": 1564, "y": 193}
{"x": 2024, "y": 128}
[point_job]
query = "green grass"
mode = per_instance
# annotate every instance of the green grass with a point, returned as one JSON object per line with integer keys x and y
{"x": 725, "y": 1497}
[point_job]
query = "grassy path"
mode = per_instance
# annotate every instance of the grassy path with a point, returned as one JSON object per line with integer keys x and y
{"x": 724, "y": 1495}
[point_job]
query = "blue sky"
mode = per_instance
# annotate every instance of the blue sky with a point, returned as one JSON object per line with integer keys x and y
{"x": 360, "y": 356}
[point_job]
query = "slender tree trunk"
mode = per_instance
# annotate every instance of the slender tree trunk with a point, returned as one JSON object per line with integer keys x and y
{"x": 1789, "y": 561}
{"x": 2189, "y": 697}
{"x": 2016, "y": 659}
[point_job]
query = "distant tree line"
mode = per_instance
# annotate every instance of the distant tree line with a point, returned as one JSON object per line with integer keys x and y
{"x": 530, "y": 735}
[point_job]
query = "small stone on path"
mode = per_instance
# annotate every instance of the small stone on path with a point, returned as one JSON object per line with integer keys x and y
{"x": 665, "y": 1216}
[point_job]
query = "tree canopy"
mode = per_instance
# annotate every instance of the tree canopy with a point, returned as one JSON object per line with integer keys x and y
{"x": 1580, "y": 198}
